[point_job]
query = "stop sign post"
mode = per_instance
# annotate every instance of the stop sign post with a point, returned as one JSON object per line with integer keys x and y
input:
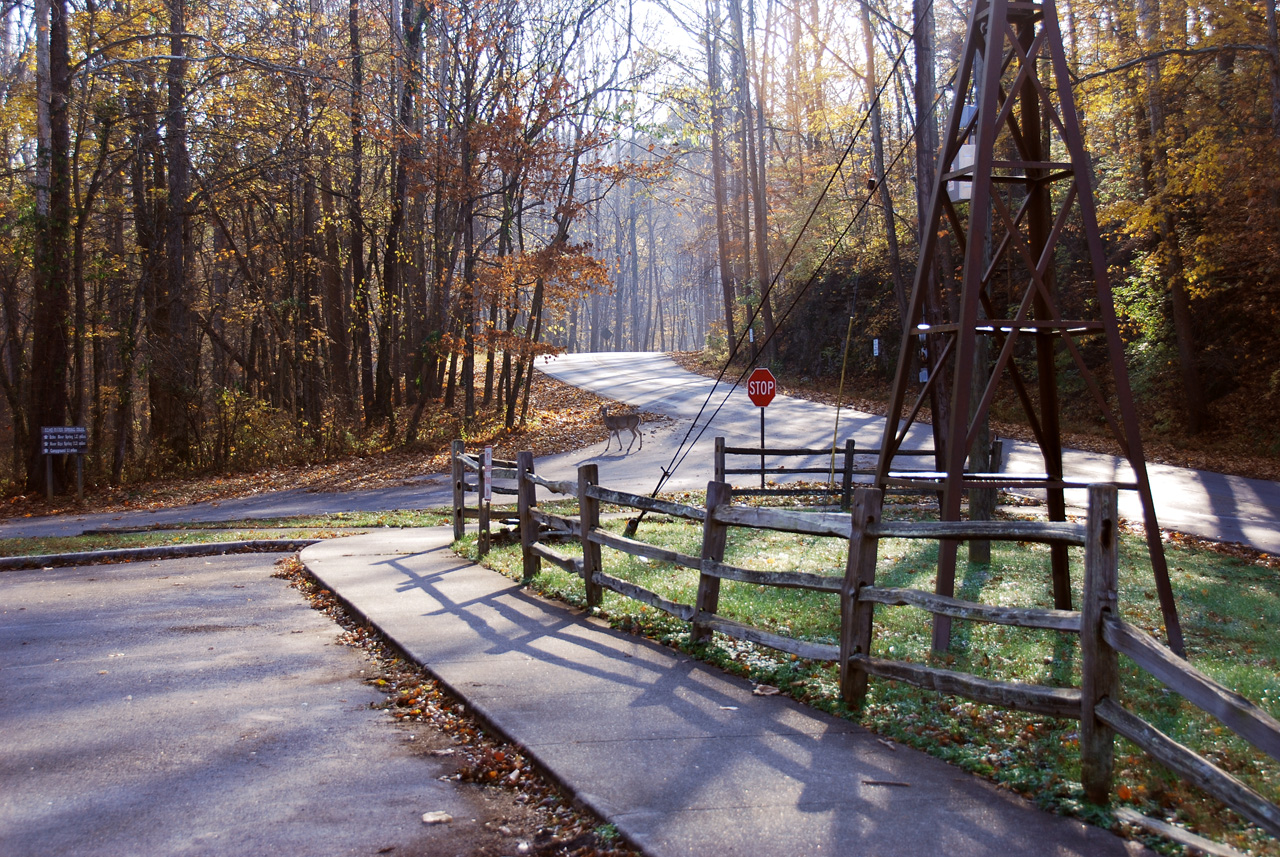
{"x": 761, "y": 388}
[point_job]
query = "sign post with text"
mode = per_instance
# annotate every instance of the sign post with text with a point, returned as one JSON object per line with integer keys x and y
{"x": 761, "y": 388}
{"x": 64, "y": 440}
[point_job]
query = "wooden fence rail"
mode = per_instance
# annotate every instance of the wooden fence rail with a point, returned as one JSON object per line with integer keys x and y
{"x": 1103, "y": 635}
{"x": 842, "y": 461}
{"x": 846, "y": 455}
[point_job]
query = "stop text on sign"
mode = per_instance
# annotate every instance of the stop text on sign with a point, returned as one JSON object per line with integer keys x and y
{"x": 761, "y": 387}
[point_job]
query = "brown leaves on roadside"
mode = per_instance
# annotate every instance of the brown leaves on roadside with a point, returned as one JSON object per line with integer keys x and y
{"x": 560, "y": 418}
{"x": 414, "y": 698}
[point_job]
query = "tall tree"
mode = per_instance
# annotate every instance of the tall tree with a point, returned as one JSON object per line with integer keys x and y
{"x": 173, "y": 384}
{"x": 1168, "y": 235}
{"x": 878, "y": 177}
{"x": 50, "y": 352}
{"x": 720, "y": 201}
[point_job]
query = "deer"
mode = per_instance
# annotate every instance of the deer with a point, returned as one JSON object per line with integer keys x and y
{"x": 619, "y": 423}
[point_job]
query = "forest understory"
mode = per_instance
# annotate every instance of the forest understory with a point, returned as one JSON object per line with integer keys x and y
{"x": 562, "y": 418}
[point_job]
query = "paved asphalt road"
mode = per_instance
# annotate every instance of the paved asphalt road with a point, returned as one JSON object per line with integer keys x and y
{"x": 199, "y": 707}
{"x": 1224, "y": 508}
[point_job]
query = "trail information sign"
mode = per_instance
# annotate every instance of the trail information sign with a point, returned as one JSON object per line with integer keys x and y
{"x": 761, "y": 387}
{"x": 64, "y": 440}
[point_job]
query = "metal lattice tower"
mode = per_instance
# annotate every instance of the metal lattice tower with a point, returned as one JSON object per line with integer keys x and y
{"x": 1011, "y": 213}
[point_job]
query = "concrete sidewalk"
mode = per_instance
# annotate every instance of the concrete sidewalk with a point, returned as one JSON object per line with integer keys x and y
{"x": 679, "y": 755}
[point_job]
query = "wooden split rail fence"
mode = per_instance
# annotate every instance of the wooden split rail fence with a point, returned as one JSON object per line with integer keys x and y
{"x": 1103, "y": 634}
{"x": 462, "y": 464}
{"x": 842, "y": 461}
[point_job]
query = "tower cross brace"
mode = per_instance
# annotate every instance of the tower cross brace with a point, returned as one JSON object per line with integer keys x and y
{"x": 1000, "y": 273}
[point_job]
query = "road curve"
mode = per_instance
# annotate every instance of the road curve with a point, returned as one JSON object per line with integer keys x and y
{"x": 1197, "y": 502}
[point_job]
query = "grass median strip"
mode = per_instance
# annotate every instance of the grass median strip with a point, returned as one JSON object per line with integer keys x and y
{"x": 359, "y": 520}
{"x": 211, "y": 532}
{"x": 1229, "y": 604}
{"x": 63, "y": 546}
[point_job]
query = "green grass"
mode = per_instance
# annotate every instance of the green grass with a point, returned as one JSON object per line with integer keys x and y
{"x": 296, "y": 526}
{"x": 360, "y": 520}
{"x": 77, "y": 544}
{"x": 1229, "y": 609}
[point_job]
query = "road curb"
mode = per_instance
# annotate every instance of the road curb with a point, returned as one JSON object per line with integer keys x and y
{"x": 59, "y": 560}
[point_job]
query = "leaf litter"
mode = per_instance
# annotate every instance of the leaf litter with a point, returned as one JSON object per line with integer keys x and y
{"x": 549, "y": 823}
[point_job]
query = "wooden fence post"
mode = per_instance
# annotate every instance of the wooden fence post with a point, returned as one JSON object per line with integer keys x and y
{"x": 589, "y": 514}
{"x": 856, "y": 616}
{"x": 456, "y": 449}
{"x": 719, "y": 460}
{"x": 714, "y": 536}
{"x": 1099, "y": 667}
{"x": 846, "y": 482}
{"x": 482, "y": 508}
{"x": 527, "y": 498}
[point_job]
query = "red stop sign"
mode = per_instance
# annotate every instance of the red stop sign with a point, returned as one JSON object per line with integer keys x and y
{"x": 761, "y": 387}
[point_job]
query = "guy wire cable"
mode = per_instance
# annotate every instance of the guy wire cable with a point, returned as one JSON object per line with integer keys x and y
{"x": 682, "y": 452}
{"x": 686, "y": 445}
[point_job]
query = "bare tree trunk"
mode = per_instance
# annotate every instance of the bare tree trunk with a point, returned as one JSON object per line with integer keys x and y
{"x": 742, "y": 192}
{"x": 620, "y": 283}
{"x": 717, "y": 174}
{"x": 355, "y": 214}
{"x": 49, "y": 403}
{"x": 413, "y": 18}
{"x": 656, "y": 277}
{"x": 1170, "y": 248}
{"x": 1273, "y": 54}
{"x": 177, "y": 231}
{"x": 83, "y": 199}
{"x": 925, "y": 93}
{"x": 336, "y": 300}
{"x": 44, "y": 100}
{"x": 467, "y": 301}
{"x": 926, "y": 156}
{"x": 756, "y": 155}
{"x": 175, "y": 359}
{"x": 636, "y": 340}
{"x": 311, "y": 254}
{"x": 877, "y": 148}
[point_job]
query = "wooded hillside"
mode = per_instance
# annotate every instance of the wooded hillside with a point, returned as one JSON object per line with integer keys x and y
{"x": 238, "y": 232}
